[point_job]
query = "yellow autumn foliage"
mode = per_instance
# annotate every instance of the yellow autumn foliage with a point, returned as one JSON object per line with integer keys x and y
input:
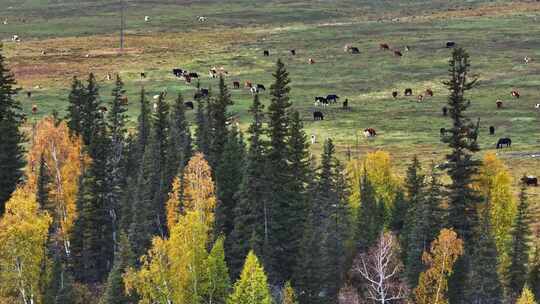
{"x": 23, "y": 236}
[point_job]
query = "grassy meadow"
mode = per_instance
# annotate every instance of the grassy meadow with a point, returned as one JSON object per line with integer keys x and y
{"x": 82, "y": 36}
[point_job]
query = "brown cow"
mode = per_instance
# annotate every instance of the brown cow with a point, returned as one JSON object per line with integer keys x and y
{"x": 248, "y": 84}
{"x": 370, "y": 132}
{"x": 420, "y": 98}
{"x": 236, "y": 84}
{"x": 124, "y": 100}
{"x": 499, "y": 104}
{"x": 429, "y": 93}
{"x": 515, "y": 94}
{"x": 384, "y": 46}
{"x": 397, "y": 53}
{"x": 34, "y": 109}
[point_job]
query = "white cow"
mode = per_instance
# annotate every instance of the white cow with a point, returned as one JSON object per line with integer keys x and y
{"x": 15, "y": 38}
{"x": 146, "y": 18}
{"x": 202, "y": 18}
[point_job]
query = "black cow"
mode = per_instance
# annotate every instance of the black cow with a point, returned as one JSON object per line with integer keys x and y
{"x": 450, "y": 44}
{"x": 395, "y": 94}
{"x": 444, "y": 111}
{"x": 408, "y": 92}
{"x": 504, "y": 142}
{"x": 442, "y": 131}
{"x": 143, "y": 75}
{"x": 189, "y": 105}
{"x": 266, "y": 53}
{"x": 530, "y": 180}
{"x": 332, "y": 98}
{"x": 318, "y": 115}
{"x": 346, "y": 104}
{"x": 260, "y": 87}
{"x": 355, "y": 50}
{"x": 293, "y": 52}
{"x": 321, "y": 99}
{"x": 491, "y": 130}
{"x": 193, "y": 75}
{"x": 236, "y": 84}
{"x": 29, "y": 94}
{"x": 178, "y": 72}
{"x": 205, "y": 92}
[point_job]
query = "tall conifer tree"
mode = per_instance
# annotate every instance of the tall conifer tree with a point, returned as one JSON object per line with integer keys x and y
{"x": 12, "y": 158}
{"x": 461, "y": 167}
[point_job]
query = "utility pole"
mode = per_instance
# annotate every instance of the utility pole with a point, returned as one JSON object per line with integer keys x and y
{"x": 122, "y": 25}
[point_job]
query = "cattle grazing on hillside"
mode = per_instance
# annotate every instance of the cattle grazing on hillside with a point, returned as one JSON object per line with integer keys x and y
{"x": 429, "y": 92}
{"x": 178, "y": 72}
{"x": 537, "y": 106}
{"x": 515, "y": 94}
{"x": 408, "y": 92}
{"x": 15, "y": 38}
{"x": 355, "y": 50}
{"x": 395, "y": 94}
{"x": 34, "y": 109}
{"x": 193, "y": 75}
{"x": 313, "y": 139}
{"x": 317, "y": 115}
{"x": 332, "y": 98}
{"x": 504, "y": 142}
{"x": 189, "y": 105}
{"x": 260, "y": 87}
{"x": 248, "y": 84}
{"x": 202, "y": 18}
{"x": 293, "y": 52}
{"x": 187, "y": 78}
{"x": 527, "y": 59}
{"x": 443, "y": 131}
{"x": 346, "y": 104}
{"x": 450, "y": 44}
{"x": 253, "y": 90}
{"x": 491, "y": 130}
{"x": 29, "y": 94}
{"x": 499, "y": 104}
{"x": 146, "y": 18}
{"x": 444, "y": 111}
{"x": 236, "y": 84}
{"x": 370, "y": 132}
{"x": 266, "y": 53}
{"x": 397, "y": 53}
{"x": 311, "y": 61}
{"x": 124, "y": 100}
{"x": 529, "y": 180}
{"x": 384, "y": 46}
{"x": 420, "y": 98}
{"x": 407, "y": 48}
{"x": 143, "y": 75}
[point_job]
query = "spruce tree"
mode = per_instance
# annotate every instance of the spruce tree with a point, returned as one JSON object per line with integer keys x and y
{"x": 180, "y": 149}
{"x": 228, "y": 179}
{"x": 90, "y": 109}
{"x": 91, "y": 239}
{"x": 218, "y": 123}
{"x": 251, "y": 211}
{"x": 218, "y": 285}
{"x": 516, "y": 274}
{"x": 12, "y": 152}
{"x": 203, "y": 129}
{"x": 277, "y": 257}
{"x": 424, "y": 223}
{"x": 59, "y": 289}
{"x": 484, "y": 286}
{"x": 135, "y": 149}
{"x": 461, "y": 167}
{"x": 116, "y": 161}
{"x": 320, "y": 270}
{"x": 252, "y": 286}
{"x": 299, "y": 166}
{"x": 534, "y": 273}
{"x": 74, "y": 110}
{"x": 370, "y": 221}
{"x": 114, "y": 289}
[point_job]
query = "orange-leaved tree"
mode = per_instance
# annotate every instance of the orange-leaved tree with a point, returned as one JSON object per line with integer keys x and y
{"x": 433, "y": 283}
